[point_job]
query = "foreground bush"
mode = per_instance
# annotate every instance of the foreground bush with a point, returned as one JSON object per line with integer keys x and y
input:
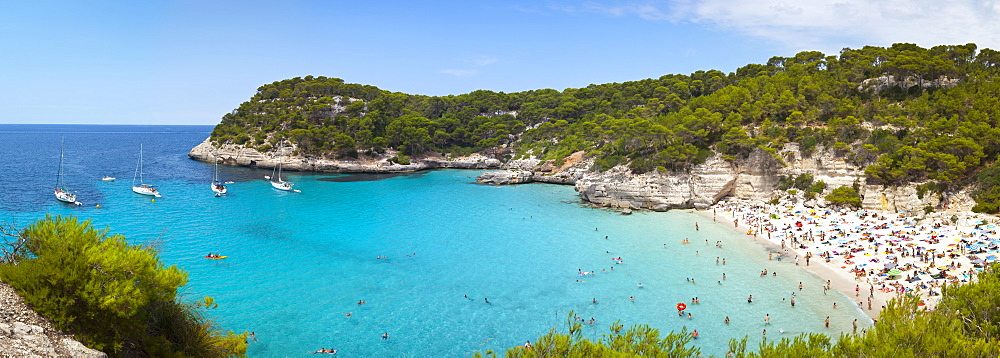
{"x": 965, "y": 324}
{"x": 114, "y": 297}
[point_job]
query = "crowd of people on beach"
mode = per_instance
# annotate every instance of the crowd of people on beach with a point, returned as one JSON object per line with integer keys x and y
{"x": 886, "y": 254}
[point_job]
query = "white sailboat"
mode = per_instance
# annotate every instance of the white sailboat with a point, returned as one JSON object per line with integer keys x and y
{"x": 275, "y": 177}
{"x": 60, "y": 192}
{"x": 217, "y": 187}
{"x": 142, "y": 188}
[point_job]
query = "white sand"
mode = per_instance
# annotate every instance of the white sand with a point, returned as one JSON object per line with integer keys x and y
{"x": 861, "y": 244}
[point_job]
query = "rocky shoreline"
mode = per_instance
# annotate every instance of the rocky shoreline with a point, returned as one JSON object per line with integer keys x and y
{"x": 230, "y": 154}
{"x": 24, "y": 333}
{"x": 699, "y": 187}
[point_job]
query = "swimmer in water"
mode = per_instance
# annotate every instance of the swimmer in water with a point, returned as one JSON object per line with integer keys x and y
{"x": 727, "y": 320}
{"x": 385, "y": 335}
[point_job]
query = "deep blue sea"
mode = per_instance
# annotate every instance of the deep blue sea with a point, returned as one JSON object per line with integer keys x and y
{"x": 299, "y": 262}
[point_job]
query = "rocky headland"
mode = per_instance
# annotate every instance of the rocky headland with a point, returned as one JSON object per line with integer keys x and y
{"x": 24, "y": 333}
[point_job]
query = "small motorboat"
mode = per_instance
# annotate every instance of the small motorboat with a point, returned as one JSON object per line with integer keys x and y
{"x": 108, "y": 178}
{"x": 215, "y": 257}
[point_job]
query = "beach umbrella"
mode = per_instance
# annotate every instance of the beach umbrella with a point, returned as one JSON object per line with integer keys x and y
{"x": 894, "y": 272}
{"x": 991, "y": 258}
{"x": 890, "y": 266}
{"x": 975, "y": 247}
{"x": 978, "y": 261}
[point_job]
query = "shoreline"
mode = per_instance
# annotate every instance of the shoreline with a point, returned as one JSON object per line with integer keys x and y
{"x": 839, "y": 282}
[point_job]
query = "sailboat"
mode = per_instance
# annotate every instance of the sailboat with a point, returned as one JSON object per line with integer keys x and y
{"x": 142, "y": 188}
{"x": 61, "y": 193}
{"x": 276, "y": 181}
{"x": 217, "y": 185}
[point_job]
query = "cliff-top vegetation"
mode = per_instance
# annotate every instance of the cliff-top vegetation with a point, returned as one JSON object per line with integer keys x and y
{"x": 907, "y": 114}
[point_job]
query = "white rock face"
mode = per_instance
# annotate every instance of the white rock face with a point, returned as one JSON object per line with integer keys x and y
{"x": 717, "y": 178}
{"x": 879, "y": 84}
{"x": 230, "y": 154}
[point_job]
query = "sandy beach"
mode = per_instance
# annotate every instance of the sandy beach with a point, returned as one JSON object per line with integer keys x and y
{"x": 871, "y": 257}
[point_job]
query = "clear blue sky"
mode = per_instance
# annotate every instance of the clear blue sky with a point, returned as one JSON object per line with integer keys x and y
{"x": 189, "y": 62}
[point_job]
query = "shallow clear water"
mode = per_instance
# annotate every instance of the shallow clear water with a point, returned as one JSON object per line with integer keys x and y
{"x": 298, "y": 262}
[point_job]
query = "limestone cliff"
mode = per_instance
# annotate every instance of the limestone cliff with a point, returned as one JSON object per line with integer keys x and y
{"x": 717, "y": 178}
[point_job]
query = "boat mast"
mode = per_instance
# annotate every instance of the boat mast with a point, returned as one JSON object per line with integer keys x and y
{"x": 62, "y": 150}
{"x": 138, "y": 167}
{"x": 277, "y": 169}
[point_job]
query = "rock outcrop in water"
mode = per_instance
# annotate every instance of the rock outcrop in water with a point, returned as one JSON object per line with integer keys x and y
{"x": 23, "y": 333}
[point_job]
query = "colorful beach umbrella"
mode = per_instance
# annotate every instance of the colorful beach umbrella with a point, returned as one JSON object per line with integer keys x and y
{"x": 894, "y": 272}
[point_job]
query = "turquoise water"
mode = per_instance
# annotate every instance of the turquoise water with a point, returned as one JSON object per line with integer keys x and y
{"x": 298, "y": 262}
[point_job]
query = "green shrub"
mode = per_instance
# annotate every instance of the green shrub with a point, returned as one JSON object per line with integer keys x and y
{"x": 844, "y": 196}
{"x": 115, "y": 297}
{"x": 401, "y": 159}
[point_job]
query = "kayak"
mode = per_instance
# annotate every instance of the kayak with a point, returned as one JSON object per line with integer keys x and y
{"x": 216, "y": 257}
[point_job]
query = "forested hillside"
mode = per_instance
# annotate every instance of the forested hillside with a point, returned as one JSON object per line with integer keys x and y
{"x": 909, "y": 114}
